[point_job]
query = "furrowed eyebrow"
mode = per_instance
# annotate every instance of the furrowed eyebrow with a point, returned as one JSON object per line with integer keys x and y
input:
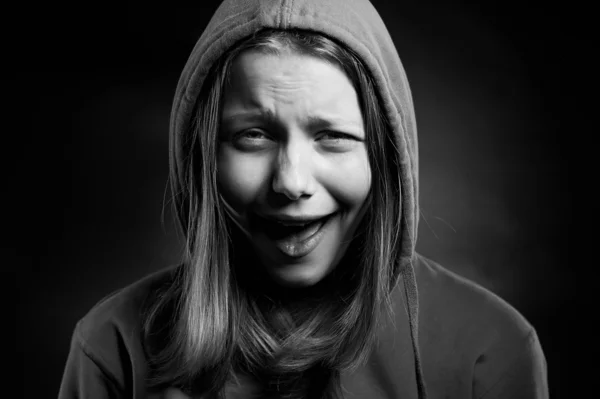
{"x": 318, "y": 122}
{"x": 254, "y": 114}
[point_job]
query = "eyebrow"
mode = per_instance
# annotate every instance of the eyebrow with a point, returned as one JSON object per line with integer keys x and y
{"x": 322, "y": 122}
{"x": 314, "y": 122}
{"x": 263, "y": 114}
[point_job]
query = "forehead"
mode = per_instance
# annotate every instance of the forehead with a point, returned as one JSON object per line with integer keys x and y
{"x": 255, "y": 66}
{"x": 309, "y": 83}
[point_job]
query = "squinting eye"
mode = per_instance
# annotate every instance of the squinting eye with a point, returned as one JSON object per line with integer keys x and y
{"x": 336, "y": 136}
{"x": 252, "y": 134}
{"x": 337, "y": 141}
{"x": 251, "y": 139}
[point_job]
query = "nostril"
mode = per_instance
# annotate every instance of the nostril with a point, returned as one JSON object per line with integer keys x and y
{"x": 291, "y": 185}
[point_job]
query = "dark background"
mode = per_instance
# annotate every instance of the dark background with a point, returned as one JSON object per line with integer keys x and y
{"x": 489, "y": 84}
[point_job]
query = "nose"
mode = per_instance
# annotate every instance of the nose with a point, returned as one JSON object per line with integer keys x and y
{"x": 293, "y": 175}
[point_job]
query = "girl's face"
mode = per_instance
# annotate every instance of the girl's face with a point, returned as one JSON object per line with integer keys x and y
{"x": 292, "y": 162}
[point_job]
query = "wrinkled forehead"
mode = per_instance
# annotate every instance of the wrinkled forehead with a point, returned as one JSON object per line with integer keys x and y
{"x": 296, "y": 87}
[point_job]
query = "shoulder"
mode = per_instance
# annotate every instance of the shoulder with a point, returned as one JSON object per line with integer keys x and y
{"x": 448, "y": 298}
{"x": 106, "y": 358}
{"x": 110, "y": 333}
{"x": 481, "y": 335}
{"x": 123, "y": 308}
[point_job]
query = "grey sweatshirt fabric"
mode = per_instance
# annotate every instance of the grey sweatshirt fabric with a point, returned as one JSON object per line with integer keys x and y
{"x": 449, "y": 339}
{"x": 472, "y": 345}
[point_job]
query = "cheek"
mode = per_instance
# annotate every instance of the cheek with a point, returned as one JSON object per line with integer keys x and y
{"x": 349, "y": 179}
{"x": 241, "y": 177}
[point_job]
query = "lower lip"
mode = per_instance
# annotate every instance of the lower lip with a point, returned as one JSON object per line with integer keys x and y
{"x": 297, "y": 248}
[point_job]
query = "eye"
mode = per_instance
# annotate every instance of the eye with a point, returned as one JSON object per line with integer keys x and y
{"x": 251, "y": 139}
{"x": 331, "y": 135}
{"x": 337, "y": 140}
{"x": 251, "y": 134}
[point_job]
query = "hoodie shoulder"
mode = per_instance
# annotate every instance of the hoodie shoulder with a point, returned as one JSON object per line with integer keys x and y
{"x": 463, "y": 304}
{"x": 468, "y": 333}
{"x": 106, "y": 353}
{"x": 123, "y": 309}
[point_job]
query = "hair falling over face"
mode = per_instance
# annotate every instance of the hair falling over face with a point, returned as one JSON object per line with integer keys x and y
{"x": 219, "y": 323}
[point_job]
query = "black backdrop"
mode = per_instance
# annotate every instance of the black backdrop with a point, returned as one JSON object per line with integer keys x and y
{"x": 496, "y": 185}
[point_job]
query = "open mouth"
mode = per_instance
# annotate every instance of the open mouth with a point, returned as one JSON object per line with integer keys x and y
{"x": 285, "y": 229}
{"x": 294, "y": 238}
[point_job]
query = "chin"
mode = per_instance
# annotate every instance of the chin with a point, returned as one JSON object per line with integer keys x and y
{"x": 299, "y": 275}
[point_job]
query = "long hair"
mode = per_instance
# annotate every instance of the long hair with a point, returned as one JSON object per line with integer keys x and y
{"x": 208, "y": 326}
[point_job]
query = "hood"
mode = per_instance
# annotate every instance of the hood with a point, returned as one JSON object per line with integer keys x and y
{"x": 354, "y": 23}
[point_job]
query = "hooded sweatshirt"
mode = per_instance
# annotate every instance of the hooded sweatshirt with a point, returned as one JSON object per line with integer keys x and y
{"x": 449, "y": 337}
